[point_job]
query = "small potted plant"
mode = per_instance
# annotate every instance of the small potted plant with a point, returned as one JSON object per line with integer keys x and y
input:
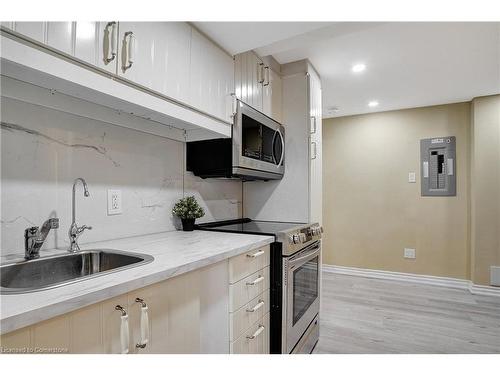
{"x": 188, "y": 210}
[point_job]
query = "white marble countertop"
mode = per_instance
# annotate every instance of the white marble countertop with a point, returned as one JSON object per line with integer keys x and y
{"x": 174, "y": 253}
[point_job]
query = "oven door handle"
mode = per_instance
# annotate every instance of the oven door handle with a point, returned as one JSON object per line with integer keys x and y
{"x": 304, "y": 258}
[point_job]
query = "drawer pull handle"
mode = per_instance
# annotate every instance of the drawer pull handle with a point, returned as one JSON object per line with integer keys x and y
{"x": 256, "y": 307}
{"x": 256, "y": 281}
{"x": 257, "y": 254}
{"x": 144, "y": 324}
{"x": 257, "y": 333}
{"x": 124, "y": 330}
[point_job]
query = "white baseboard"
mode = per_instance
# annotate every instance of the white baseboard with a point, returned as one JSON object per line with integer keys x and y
{"x": 446, "y": 282}
{"x": 484, "y": 290}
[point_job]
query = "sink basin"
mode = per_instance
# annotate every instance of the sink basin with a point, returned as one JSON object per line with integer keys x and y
{"x": 55, "y": 271}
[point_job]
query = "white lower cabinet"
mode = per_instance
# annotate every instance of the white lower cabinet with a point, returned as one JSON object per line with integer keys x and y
{"x": 196, "y": 312}
{"x": 249, "y": 302}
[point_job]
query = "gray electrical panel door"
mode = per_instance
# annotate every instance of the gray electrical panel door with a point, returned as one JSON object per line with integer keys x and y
{"x": 438, "y": 166}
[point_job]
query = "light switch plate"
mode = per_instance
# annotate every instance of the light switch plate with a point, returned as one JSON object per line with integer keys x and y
{"x": 412, "y": 177}
{"x": 410, "y": 253}
{"x": 114, "y": 202}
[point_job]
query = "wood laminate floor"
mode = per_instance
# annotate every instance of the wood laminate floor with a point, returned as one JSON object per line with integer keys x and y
{"x": 362, "y": 315}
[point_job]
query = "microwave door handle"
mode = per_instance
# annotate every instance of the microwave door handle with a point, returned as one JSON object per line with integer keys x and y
{"x": 274, "y": 154}
{"x": 282, "y": 147}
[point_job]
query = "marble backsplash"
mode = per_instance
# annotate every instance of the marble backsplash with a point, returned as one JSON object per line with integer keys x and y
{"x": 44, "y": 150}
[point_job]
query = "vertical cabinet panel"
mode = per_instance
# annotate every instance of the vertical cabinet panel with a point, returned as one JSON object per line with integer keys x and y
{"x": 316, "y": 166}
{"x": 33, "y": 30}
{"x": 86, "y": 36}
{"x": 16, "y": 342}
{"x": 174, "y": 59}
{"x": 86, "y": 328}
{"x": 52, "y": 336}
{"x": 184, "y": 314}
{"x": 60, "y": 36}
{"x": 211, "y": 78}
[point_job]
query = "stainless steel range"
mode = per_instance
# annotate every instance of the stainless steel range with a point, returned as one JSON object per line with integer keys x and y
{"x": 295, "y": 280}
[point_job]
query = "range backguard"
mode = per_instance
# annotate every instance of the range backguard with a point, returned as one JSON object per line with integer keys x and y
{"x": 438, "y": 166}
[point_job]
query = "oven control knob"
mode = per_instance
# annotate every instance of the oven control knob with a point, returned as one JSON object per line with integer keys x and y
{"x": 296, "y": 238}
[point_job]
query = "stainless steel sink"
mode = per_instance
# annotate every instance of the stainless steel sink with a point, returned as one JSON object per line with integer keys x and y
{"x": 55, "y": 271}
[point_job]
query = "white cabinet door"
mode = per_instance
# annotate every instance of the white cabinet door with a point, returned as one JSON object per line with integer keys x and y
{"x": 86, "y": 34}
{"x": 60, "y": 36}
{"x": 160, "y": 56}
{"x": 272, "y": 94}
{"x": 211, "y": 78}
{"x": 111, "y": 324}
{"x": 33, "y": 30}
{"x": 316, "y": 166}
{"x": 249, "y": 79}
{"x": 107, "y": 57}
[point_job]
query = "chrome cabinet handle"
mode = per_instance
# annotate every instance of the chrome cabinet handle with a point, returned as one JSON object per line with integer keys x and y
{"x": 256, "y": 307}
{"x": 257, "y": 254}
{"x": 130, "y": 50}
{"x": 313, "y": 124}
{"x": 144, "y": 324}
{"x": 124, "y": 329}
{"x": 266, "y": 76}
{"x": 257, "y": 333}
{"x": 256, "y": 281}
{"x": 111, "y": 39}
{"x": 315, "y": 148}
{"x": 260, "y": 72}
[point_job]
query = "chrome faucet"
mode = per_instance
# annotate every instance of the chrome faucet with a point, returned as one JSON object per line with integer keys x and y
{"x": 74, "y": 230}
{"x": 34, "y": 238}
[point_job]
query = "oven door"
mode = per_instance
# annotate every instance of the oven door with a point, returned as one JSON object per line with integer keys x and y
{"x": 302, "y": 292}
{"x": 258, "y": 142}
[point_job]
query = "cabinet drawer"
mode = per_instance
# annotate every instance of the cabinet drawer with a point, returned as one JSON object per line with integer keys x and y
{"x": 248, "y": 288}
{"x": 248, "y": 315}
{"x": 246, "y": 264}
{"x": 258, "y": 344}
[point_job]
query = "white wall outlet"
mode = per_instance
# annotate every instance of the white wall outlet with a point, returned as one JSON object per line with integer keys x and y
{"x": 410, "y": 253}
{"x": 114, "y": 202}
{"x": 412, "y": 177}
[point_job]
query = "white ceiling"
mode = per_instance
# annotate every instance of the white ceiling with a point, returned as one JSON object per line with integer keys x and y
{"x": 408, "y": 64}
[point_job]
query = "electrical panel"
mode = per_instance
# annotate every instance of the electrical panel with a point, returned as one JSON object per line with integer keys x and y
{"x": 438, "y": 166}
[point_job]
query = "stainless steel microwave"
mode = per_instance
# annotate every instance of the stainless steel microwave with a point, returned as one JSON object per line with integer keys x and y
{"x": 255, "y": 151}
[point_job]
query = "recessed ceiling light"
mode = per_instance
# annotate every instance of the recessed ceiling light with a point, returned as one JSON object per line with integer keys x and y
{"x": 333, "y": 109}
{"x": 358, "y": 68}
{"x": 373, "y": 104}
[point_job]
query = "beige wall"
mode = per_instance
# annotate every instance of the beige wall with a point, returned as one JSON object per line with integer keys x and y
{"x": 371, "y": 212}
{"x": 485, "y": 187}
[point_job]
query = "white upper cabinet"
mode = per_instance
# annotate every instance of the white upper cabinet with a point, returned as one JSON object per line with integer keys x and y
{"x": 60, "y": 36}
{"x": 156, "y": 55}
{"x": 33, "y": 30}
{"x": 249, "y": 79}
{"x": 258, "y": 85}
{"x": 211, "y": 80}
{"x": 86, "y": 36}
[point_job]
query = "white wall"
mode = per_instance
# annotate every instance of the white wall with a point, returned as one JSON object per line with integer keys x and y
{"x": 44, "y": 150}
